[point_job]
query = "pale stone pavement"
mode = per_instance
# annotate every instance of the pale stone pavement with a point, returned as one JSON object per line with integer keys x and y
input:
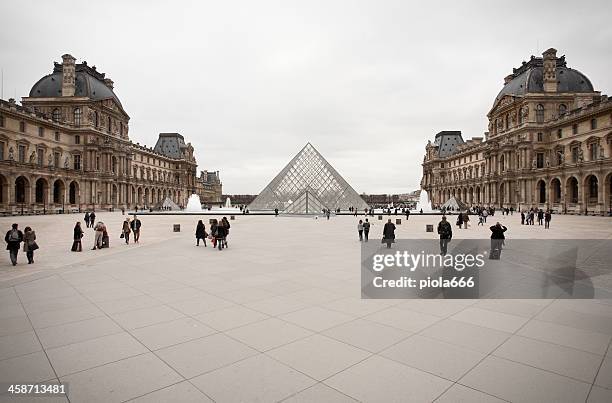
{"x": 278, "y": 317}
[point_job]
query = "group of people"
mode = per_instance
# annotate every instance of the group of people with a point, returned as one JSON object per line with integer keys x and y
{"x": 14, "y": 237}
{"x": 219, "y": 231}
{"x": 528, "y": 217}
{"x": 363, "y": 228}
{"x": 101, "y": 238}
{"x": 445, "y": 231}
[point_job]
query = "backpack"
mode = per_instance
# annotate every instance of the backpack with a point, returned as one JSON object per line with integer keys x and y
{"x": 14, "y": 236}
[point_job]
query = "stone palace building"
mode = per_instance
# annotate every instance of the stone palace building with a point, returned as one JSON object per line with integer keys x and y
{"x": 548, "y": 145}
{"x": 67, "y": 148}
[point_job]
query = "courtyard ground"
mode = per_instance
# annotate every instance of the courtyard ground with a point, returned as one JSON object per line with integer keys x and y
{"x": 278, "y": 317}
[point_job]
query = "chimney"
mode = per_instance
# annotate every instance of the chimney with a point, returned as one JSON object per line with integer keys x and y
{"x": 109, "y": 83}
{"x": 550, "y": 70}
{"x": 68, "y": 75}
{"x": 508, "y": 78}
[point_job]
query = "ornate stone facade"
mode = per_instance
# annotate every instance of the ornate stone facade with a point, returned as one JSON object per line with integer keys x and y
{"x": 67, "y": 149}
{"x": 549, "y": 145}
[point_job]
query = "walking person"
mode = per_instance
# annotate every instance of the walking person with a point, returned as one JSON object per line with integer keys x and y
{"x": 485, "y": 214}
{"x": 540, "y": 217}
{"x": 497, "y": 240}
{"x": 547, "y": 218}
{"x": 466, "y": 220}
{"x": 407, "y": 214}
{"x": 126, "y": 230}
{"x": 13, "y": 239}
{"x": 213, "y": 233}
{"x": 360, "y": 229}
{"x": 29, "y": 243}
{"x": 99, "y": 234}
{"x": 366, "y": 229}
{"x": 136, "y": 224}
{"x": 459, "y": 220}
{"x": 220, "y": 236}
{"x": 389, "y": 233}
{"x": 481, "y": 219}
{"x": 522, "y": 218}
{"x": 87, "y": 219}
{"x": 92, "y": 219}
{"x": 226, "y": 227}
{"x": 445, "y": 230}
{"x": 200, "y": 233}
{"x": 76, "y": 238}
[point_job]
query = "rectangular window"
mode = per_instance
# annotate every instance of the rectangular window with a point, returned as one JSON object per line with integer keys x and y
{"x": 56, "y": 159}
{"x": 77, "y": 139}
{"x": 57, "y": 136}
{"x": 559, "y": 133}
{"x": 594, "y": 148}
{"x": 21, "y": 153}
{"x": 575, "y": 129}
{"x": 22, "y": 127}
{"x": 540, "y": 160}
{"x": 1, "y": 121}
{"x": 41, "y": 132}
{"x": 593, "y": 124}
{"x": 540, "y": 136}
{"x": 40, "y": 153}
{"x": 1, "y": 150}
{"x": 97, "y": 163}
{"x": 77, "y": 162}
{"x": 575, "y": 154}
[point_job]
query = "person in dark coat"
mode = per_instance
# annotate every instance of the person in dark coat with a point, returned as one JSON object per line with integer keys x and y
{"x": 220, "y": 235}
{"x": 445, "y": 230}
{"x": 226, "y": 227}
{"x": 547, "y": 218}
{"x": 389, "y": 233}
{"x": 77, "y": 235}
{"x": 29, "y": 243}
{"x": 13, "y": 240}
{"x": 86, "y": 219}
{"x": 92, "y": 219}
{"x": 497, "y": 240}
{"x": 200, "y": 233}
{"x": 459, "y": 220}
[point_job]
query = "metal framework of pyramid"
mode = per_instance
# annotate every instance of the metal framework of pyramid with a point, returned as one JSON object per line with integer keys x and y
{"x": 307, "y": 185}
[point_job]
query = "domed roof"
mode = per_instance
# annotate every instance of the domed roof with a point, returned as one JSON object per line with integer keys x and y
{"x": 88, "y": 83}
{"x": 529, "y": 78}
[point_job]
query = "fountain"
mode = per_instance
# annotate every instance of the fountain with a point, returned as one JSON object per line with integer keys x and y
{"x": 424, "y": 203}
{"x": 193, "y": 203}
{"x": 228, "y": 203}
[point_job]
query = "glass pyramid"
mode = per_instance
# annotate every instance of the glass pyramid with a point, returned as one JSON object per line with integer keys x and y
{"x": 307, "y": 185}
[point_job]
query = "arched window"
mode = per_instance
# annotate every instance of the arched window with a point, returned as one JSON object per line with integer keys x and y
{"x": 77, "y": 116}
{"x": 540, "y": 113}
{"x": 121, "y": 128}
{"x": 96, "y": 120}
{"x": 593, "y": 187}
{"x": 56, "y": 116}
{"x": 109, "y": 124}
{"x": 562, "y": 109}
{"x": 520, "y": 116}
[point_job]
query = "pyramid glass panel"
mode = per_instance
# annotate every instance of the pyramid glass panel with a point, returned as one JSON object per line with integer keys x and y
{"x": 307, "y": 185}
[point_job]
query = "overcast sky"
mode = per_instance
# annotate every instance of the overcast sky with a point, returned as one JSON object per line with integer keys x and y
{"x": 248, "y": 83}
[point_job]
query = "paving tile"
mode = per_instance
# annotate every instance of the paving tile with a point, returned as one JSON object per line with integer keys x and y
{"x": 438, "y": 307}
{"x": 403, "y": 319}
{"x": 600, "y": 395}
{"x": 261, "y": 378}
{"x": 11, "y": 311}
{"x": 120, "y": 381}
{"x": 41, "y": 320}
{"x": 316, "y": 318}
{"x": 552, "y": 357}
{"x": 228, "y": 318}
{"x": 92, "y": 353}
{"x": 604, "y": 377}
{"x": 268, "y": 334}
{"x": 318, "y": 356}
{"x": 437, "y": 357}
{"x": 276, "y": 305}
{"x": 580, "y": 339}
{"x": 203, "y": 303}
{"x": 198, "y": 356}
{"x": 173, "y": 332}
{"x": 523, "y": 308}
{"x": 521, "y": 383}
{"x": 378, "y": 379}
{"x": 16, "y": 324}
{"x": 459, "y": 394}
{"x": 29, "y": 368}
{"x": 319, "y": 393}
{"x": 14, "y": 345}
{"x": 183, "y": 392}
{"x": 494, "y": 320}
{"x": 146, "y": 316}
{"x": 579, "y": 320}
{"x": 128, "y": 304}
{"x": 75, "y": 332}
{"x": 467, "y": 335}
{"x": 55, "y": 304}
{"x": 366, "y": 335}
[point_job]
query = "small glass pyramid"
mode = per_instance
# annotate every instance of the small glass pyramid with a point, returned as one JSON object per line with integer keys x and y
{"x": 307, "y": 185}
